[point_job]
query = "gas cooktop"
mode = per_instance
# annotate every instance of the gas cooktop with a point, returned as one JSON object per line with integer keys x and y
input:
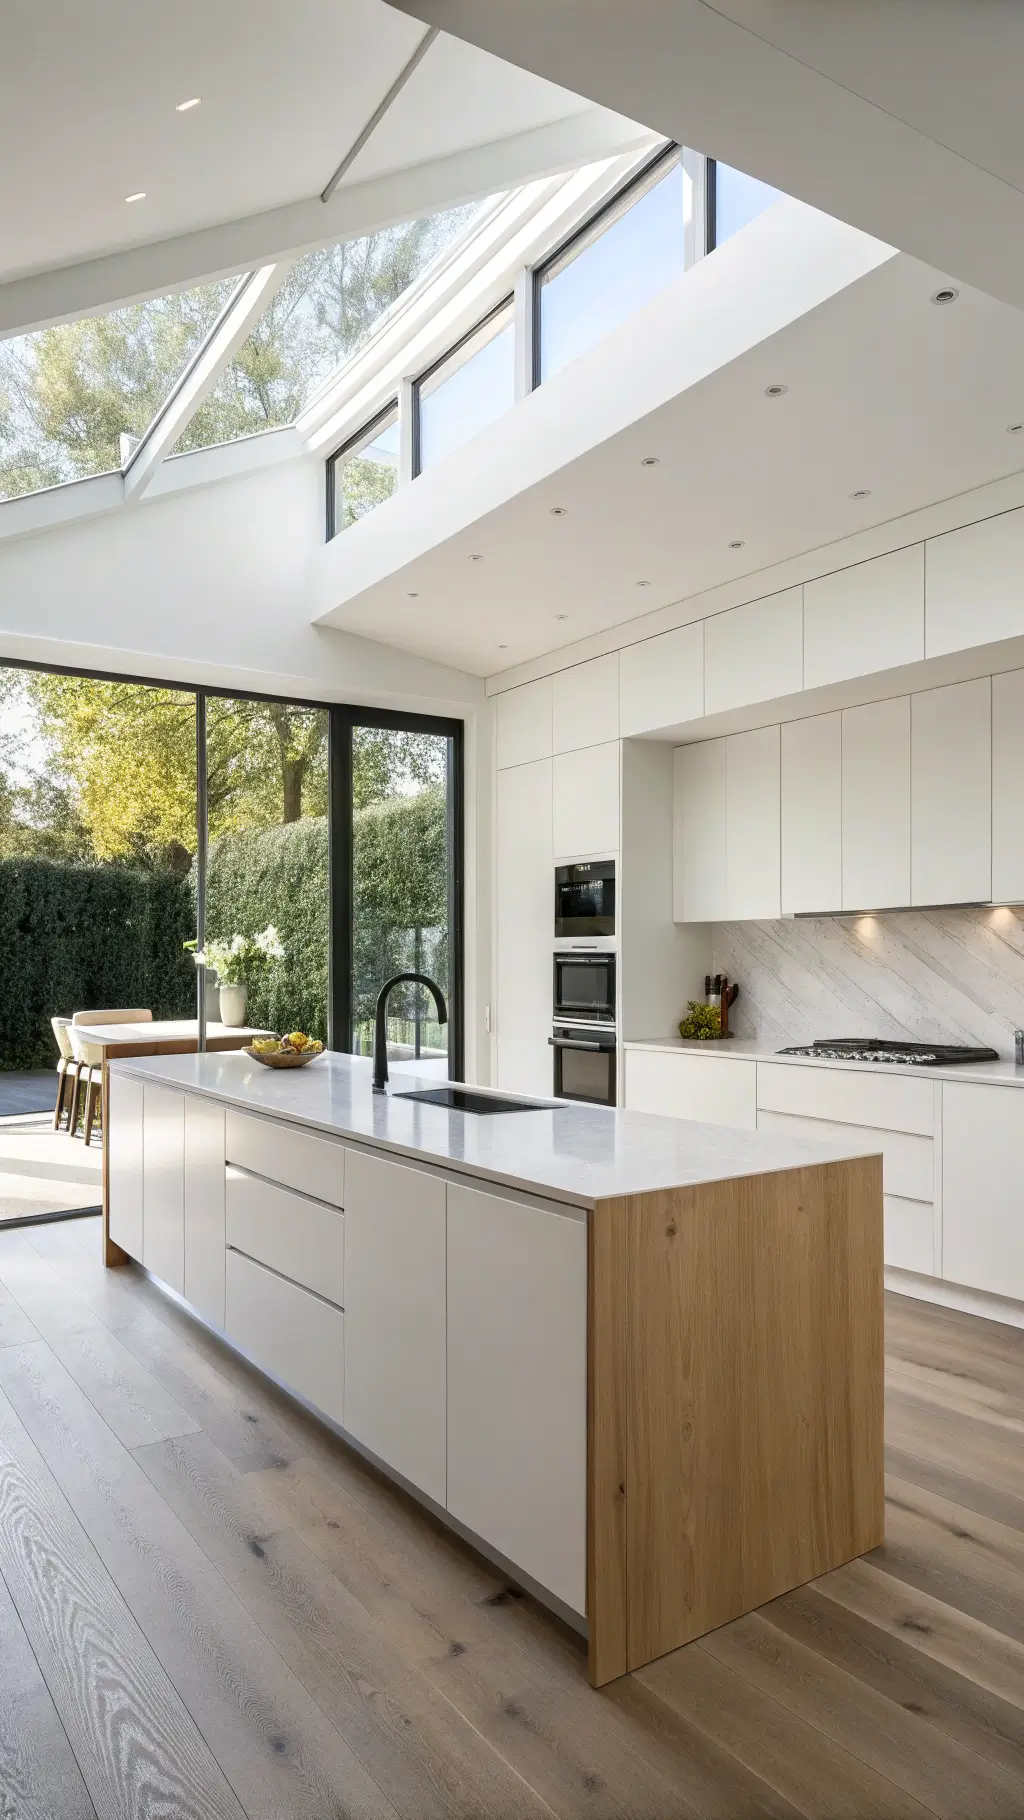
{"x": 878, "y": 1049}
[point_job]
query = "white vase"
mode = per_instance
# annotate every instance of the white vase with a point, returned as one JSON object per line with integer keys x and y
{"x": 232, "y": 1005}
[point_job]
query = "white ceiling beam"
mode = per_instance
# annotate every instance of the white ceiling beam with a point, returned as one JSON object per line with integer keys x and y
{"x": 408, "y": 69}
{"x": 106, "y": 283}
{"x": 200, "y": 377}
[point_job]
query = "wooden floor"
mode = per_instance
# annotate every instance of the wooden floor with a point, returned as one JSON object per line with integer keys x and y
{"x": 210, "y": 1609}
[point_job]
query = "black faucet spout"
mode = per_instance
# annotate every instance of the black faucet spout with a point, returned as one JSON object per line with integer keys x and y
{"x": 380, "y": 1039}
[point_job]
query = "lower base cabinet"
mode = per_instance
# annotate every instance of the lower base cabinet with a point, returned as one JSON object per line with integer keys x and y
{"x": 517, "y": 1384}
{"x": 125, "y": 1121}
{"x": 982, "y": 1190}
{"x": 712, "y": 1089}
{"x": 163, "y": 1185}
{"x": 204, "y": 1208}
{"x": 395, "y": 1343}
{"x": 285, "y": 1330}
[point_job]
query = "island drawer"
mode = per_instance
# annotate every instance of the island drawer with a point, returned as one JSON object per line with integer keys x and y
{"x": 287, "y": 1331}
{"x": 301, "y": 1238}
{"x": 297, "y": 1159}
{"x": 883, "y": 1102}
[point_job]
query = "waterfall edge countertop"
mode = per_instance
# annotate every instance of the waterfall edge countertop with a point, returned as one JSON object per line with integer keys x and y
{"x": 563, "y": 1150}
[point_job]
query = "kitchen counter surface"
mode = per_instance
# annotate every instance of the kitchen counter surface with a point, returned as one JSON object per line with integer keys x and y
{"x": 999, "y": 1074}
{"x": 566, "y": 1152}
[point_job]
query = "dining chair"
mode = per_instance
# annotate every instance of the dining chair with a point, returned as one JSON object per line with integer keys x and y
{"x": 89, "y": 1057}
{"x": 66, "y": 1067}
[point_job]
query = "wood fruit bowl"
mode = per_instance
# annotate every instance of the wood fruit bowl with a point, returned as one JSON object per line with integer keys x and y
{"x": 288, "y": 1058}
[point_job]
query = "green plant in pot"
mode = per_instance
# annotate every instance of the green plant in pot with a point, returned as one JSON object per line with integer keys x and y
{"x": 239, "y": 964}
{"x": 702, "y": 1023}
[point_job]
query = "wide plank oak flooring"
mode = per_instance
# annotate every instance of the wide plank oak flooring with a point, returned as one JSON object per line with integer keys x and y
{"x": 211, "y": 1608}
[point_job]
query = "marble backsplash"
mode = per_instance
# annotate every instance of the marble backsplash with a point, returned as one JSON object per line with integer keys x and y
{"x": 954, "y": 976}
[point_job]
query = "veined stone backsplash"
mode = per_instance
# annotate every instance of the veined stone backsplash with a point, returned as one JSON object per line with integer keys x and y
{"x": 954, "y": 976}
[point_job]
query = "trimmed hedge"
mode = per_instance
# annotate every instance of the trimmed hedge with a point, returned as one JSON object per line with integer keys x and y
{"x": 279, "y": 876}
{"x": 77, "y": 936}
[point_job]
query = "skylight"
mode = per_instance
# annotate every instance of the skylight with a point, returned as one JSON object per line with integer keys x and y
{"x": 323, "y": 313}
{"x": 69, "y": 394}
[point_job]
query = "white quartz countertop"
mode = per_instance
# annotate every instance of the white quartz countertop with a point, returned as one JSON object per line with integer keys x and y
{"x": 562, "y": 1151}
{"x": 1000, "y": 1074}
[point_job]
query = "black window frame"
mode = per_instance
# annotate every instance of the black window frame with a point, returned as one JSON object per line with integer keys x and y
{"x": 351, "y": 445}
{"x": 507, "y": 303}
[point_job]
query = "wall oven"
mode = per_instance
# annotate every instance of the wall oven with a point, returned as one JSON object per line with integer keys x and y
{"x": 584, "y": 1063}
{"x": 584, "y": 986}
{"x": 585, "y": 900}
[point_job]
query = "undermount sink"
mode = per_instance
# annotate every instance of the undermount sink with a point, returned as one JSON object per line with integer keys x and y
{"x": 461, "y": 1099}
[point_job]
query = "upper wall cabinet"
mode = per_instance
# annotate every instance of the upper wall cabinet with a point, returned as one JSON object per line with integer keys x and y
{"x": 754, "y": 653}
{"x": 523, "y": 724}
{"x": 699, "y": 835}
{"x": 863, "y": 619}
{"x": 975, "y": 584}
{"x": 728, "y": 829}
{"x": 812, "y": 814}
{"x": 1007, "y": 795}
{"x": 585, "y": 704}
{"x": 876, "y": 805}
{"x": 661, "y": 680}
{"x": 951, "y": 794}
{"x": 585, "y": 802}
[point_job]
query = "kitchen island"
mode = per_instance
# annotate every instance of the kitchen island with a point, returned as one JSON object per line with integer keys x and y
{"x": 636, "y": 1360}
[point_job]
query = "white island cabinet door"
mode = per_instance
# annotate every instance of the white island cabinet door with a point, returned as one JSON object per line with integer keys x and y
{"x": 163, "y": 1185}
{"x": 395, "y": 1317}
{"x": 124, "y": 1161}
{"x": 517, "y": 1384}
{"x": 204, "y": 1208}
{"x": 982, "y": 1187}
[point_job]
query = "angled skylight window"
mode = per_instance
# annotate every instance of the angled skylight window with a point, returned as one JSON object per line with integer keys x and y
{"x": 469, "y": 388}
{"x": 324, "y": 311}
{"x": 364, "y": 473}
{"x": 74, "y": 399}
{"x": 738, "y": 199}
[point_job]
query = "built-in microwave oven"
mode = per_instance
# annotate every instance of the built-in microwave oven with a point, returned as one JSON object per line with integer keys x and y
{"x": 585, "y": 899}
{"x": 584, "y": 986}
{"x": 584, "y": 1063}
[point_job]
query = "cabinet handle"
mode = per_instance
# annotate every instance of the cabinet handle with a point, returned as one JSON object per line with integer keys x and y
{"x": 562, "y": 1042}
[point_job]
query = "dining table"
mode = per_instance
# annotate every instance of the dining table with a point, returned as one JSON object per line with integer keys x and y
{"x": 162, "y": 1036}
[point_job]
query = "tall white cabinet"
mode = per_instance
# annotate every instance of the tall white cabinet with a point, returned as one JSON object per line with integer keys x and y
{"x": 525, "y": 923}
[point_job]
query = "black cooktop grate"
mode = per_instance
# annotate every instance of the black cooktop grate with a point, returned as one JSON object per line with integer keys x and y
{"x": 882, "y": 1049}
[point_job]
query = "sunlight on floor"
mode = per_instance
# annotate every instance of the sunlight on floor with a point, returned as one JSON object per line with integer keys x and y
{"x": 45, "y": 1171}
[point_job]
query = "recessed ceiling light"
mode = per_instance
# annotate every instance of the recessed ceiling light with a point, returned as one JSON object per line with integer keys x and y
{"x": 737, "y": 543}
{"x": 559, "y": 511}
{"x": 412, "y": 596}
{"x": 946, "y": 295}
{"x": 861, "y": 493}
{"x": 184, "y": 106}
{"x": 136, "y": 196}
{"x": 1014, "y": 429}
{"x": 650, "y": 461}
{"x": 502, "y": 647}
{"x": 643, "y": 584}
{"x": 476, "y": 558}
{"x": 561, "y": 615}
{"x": 775, "y": 391}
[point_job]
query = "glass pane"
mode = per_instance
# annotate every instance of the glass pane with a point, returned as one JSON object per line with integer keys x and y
{"x": 401, "y": 890}
{"x": 738, "y": 199}
{"x": 267, "y": 882}
{"x": 475, "y": 385}
{"x": 598, "y": 283}
{"x": 321, "y": 316}
{"x": 70, "y": 394}
{"x": 366, "y": 473}
{"x": 97, "y": 897}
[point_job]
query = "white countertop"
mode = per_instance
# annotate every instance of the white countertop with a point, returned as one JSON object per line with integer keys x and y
{"x": 741, "y": 1048}
{"x": 562, "y": 1151}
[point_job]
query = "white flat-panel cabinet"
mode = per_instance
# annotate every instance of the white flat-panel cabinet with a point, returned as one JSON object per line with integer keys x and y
{"x": 982, "y": 1196}
{"x": 661, "y": 680}
{"x": 715, "y": 1090}
{"x": 124, "y": 1113}
{"x": 753, "y": 825}
{"x": 951, "y": 794}
{"x": 585, "y": 704}
{"x": 869, "y": 617}
{"x": 974, "y": 592}
{"x": 523, "y": 724}
{"x": 525, "y": 893}
{"x": 517, "y": 1384}
{"x": 754, "y": 652}
{"x": 204, "y": 1208}
{"x": 876, "y": 805}
{"x": 163, "y": 1185}
{"x": 1007, "y": 794}
{"x": 285, "y": 1330}
{"x": 395, "y": 1293}
{"x": 812, "y": 814}
{"x": 585, "y": 801}
{"x": 699, "y": 817}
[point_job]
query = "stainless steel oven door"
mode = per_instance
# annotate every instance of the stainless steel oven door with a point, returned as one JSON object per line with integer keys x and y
{"x": 584, "y": 1064}
{"x": 584, "y": 986}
